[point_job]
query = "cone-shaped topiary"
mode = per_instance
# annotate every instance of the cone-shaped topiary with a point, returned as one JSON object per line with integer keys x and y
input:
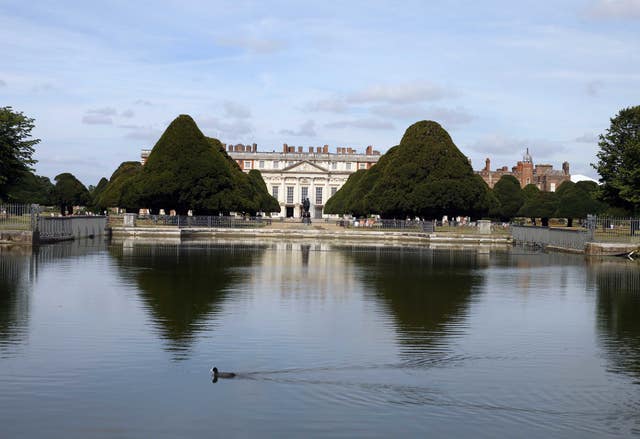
{"x": 186, "y": 170}
{"x": 426, "y": 175}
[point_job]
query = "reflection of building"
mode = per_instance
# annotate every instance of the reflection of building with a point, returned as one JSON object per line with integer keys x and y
{"x": 543, "y": 176}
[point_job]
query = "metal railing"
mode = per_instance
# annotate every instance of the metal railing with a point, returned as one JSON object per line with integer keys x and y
{"x": 388, "y": 224}
{"x": 184, "y": 221}
{"x": 18, "y": 216}
{"x": 610, "y": 229}
{"x": 574, "y": 239}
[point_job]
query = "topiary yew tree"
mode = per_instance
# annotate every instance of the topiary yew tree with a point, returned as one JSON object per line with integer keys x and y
{"x": 509, "y": 195}
{"x": 188, "y": 171}
{"x": 426, "y": 175}
{"x": 69, "y": 192}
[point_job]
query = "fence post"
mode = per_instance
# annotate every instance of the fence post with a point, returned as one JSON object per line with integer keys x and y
{"x": 34, "y": 211}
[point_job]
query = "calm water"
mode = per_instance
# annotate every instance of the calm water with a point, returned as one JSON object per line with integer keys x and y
{"x": 116, "y": 340}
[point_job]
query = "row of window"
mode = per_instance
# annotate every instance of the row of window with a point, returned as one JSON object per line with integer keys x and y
{"x": 334, "y": 165}
{"x": 304, "y": 193}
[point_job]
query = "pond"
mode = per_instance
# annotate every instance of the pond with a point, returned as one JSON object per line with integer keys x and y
{"x": 108, "y": 340}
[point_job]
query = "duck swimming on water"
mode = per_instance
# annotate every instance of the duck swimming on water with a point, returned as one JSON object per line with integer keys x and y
{"x": 217, "y": 374}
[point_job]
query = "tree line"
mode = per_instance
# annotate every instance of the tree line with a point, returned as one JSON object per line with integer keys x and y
{"x": 425, "y": 175}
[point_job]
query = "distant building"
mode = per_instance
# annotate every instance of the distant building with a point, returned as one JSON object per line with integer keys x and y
{"x": 293, "y": 174}
{"x": 543, "y": 176}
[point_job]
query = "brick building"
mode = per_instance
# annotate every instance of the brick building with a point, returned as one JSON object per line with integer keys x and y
{"x": 543, "y": 176}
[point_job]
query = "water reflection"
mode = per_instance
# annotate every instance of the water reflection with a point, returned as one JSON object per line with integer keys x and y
{"x": 15, "y": 277}
{"x": 618, "y": 313}
{"x": 427, "y": 292}
{"x": 183, "y": 285}
{"x": 19, "y": 267}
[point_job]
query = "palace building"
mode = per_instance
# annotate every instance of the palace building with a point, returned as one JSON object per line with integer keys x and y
{"x": 543, "y": 176}
{"x": 293, "y": 174}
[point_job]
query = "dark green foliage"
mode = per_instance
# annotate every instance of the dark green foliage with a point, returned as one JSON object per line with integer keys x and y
{"x": 113, "y": 194}
{"x": 578, "y": 201}
{"x": 264, "y": 201}
{"x": 530, "y": 191}
{"x": 16, "y": 148}
{"x": 565, "y": 186}
{"x": 32, "y": 189}
{"x": 543, "y": 206}
{"x": 188, "y": 171}
{"x": 510, "y": 196}
{"x": 69, "y": 192}
{"x": 426, "y": 175}
{"x": 619, "y": 160}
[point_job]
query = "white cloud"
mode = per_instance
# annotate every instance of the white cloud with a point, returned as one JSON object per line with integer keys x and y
{"x": 306, "y": 129}
{"x": 448, "y": 116}
{"x": 587, "y": 138}
{"x": 105, "y": 111}
{"x": 332, "y": 105}
{"x": 127, "y": 114}
{"x": 2, "y": 83}
{"x": 625, "y": 9}
{"x": 224, "y": 130}
{"x": 369, "y": 124}
{"x": 97, "y": 119}
{"x": 147, "y": 133}
{"x": 237, "y": 110}
{"x": 406, "y": 93}
{"x": 253, "y": 45}
{"x": 143, "y": 102}
{"x": 498, "y": 144}
{"x": 593, "y": 87}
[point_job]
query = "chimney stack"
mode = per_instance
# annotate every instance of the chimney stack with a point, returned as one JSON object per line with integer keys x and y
{"x": 285, "y": 148}
{"x": 325, "y": 149}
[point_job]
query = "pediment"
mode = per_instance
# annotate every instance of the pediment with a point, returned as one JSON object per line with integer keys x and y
{"x": 305, "y": 166}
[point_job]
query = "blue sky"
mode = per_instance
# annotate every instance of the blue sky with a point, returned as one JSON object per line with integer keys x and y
{"x": 104, "y": 80}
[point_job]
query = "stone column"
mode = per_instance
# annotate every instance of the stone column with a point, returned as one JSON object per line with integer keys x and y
{"x": 484, "y": 227}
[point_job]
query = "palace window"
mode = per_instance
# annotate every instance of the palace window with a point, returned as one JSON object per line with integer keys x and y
{"x": 348, "y": 166}
{"x": 553, "y": 187}
{"x": 247, "y": 164}
{"x": 333, "y": 190}
{"x": 274, "y": 192}
{"x": 261, "y": 164}
{"x": 334, "y": 165}
{"x": 289, "y": 194}
{"x": 275, "y": 164}
{"x": 304, "y": 192}
{"x": 319, "y": 195}
{"x": 362, "y": 166}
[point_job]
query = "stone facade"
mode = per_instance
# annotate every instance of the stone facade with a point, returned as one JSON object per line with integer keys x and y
{"x": 543, "y": 176}
{"x": 295, "y": 172}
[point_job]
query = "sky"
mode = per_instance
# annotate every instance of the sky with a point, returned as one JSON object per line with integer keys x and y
{"x": 104, "y": 79}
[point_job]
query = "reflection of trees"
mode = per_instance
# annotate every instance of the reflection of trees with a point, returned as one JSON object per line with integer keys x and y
{"x": 427, "y": 291}
{"x": 19, "y": 267}
{"x": 618, "y": 308}
{"x": 14, "y": 296}
{"x": 184, "y": 285}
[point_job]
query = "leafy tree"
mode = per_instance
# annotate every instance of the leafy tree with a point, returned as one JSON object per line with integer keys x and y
{"x": 542, "y": 206}
{"x": 16, "y": 148}
{"x": 69, "y": 192}
{"x": 426, "y": 175}
{"x": 619, "y": 160}
{"x": 529, "y": 191}
{"x": 111, "y": 195}
{"x": 265, "y": 202}
{"x": 96, "y": 191}
{"x": 578, "y": 201}
{"x": 565, "y": 186}
{"x": 31, "y": 188}
{"x": 509, "y": 195}
{"x": 186, "y": 170}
